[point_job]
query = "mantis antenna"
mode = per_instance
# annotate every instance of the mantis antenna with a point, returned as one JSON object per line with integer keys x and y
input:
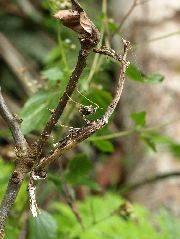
{"x": 85, "y": 110}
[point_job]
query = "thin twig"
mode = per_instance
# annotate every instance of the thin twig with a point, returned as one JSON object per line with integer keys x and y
{"x": 81, "y": 64}
{"x": 96, "y": 57}
{"x": 148, "y": 41}
{"x": 149, "y": 180}
{"x": 27, "y": 77}
{"x": 23, "y": 164}
{"x": 134, "y": 130}
{"x": 13, "y": 125}
{"x": 69, "y": 198}
{"x": 111, "y": 53}
{"x": 126, "y": 16}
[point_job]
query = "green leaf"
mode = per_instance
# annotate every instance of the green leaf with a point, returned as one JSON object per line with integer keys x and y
{"x": 154, "y": 78}
{"x": 78, "y": 169}
{"x": 55, "y": 179}
{"x": 134, "y": 74}
{"x": 53, "y": 55}
{"x": 44, "y": 226}
{"x": 113, "y": 27}
{"x": 91, "y": 184}
{"x": 159, "y": 138}
{"x": 12, "y": 231}
{"x": 104, "y": 146}
{"x": 35, "y": 112}
{"x": 53, "y": 74}
{"x": 139, "y": 118}
{"x": 168, "y": 224}
{"x": 149, "y": 142}
{"x": 175, "y": 149}
{"x": 6, "y": 169}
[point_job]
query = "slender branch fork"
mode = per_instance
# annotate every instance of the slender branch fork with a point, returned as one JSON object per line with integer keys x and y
{"x": 22, "y": 163}
{"x": 13, "y": 124}
{"x": 29, "y": 156}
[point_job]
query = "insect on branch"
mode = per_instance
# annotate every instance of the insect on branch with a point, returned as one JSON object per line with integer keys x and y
{"x": 91, "y": 127}
{"x": 77, "y": 20}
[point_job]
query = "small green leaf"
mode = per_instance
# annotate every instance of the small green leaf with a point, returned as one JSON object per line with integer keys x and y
{"x": 104, "y": 146}
{"x": 175, "y": 149}
{"x": 53, "y": 55}
{"x": 12, "y": 232}
{"x": 159, "y": 138}
{"x": 55, "y": 179}
{"x": 139, "y": 118}
{"x": 35, "y": 112}
{"x": 134, "y": 74}
{"x": 154, "y": 138}
{"x": 153, "y": 78}
{"x": 113, "y": 27}
{"x": 79, "y": 168}
{"x": 52, "y": 74}
{"x": 149, "y": 142}
{"x": 91, "y": 184}
{"x": 6, "y": 169}
{"x": 44, "y": 226}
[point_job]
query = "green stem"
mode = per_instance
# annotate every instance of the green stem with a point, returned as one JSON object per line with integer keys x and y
{"x": 95, "y": 65}
{"x": 64, "y": 59}
{"x": 113, "y": 136}
{"x": 132, "y": 131}
{"x": 144, "y": 43}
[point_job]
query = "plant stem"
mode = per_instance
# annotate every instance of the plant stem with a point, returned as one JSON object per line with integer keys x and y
{"x": 132, "y": 131}
{"x": 112, "y": 136}
{"x": 96, "y": 59}
{"x": 144, "y": 43}
{"x": 62, "y": 48}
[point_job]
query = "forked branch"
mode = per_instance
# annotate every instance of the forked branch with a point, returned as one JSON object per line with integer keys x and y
{"x": 89, "y": 36}
{"x": 83, "y": 133}
{"x": 13, "y": 124}
{"x": 22, "y": 163}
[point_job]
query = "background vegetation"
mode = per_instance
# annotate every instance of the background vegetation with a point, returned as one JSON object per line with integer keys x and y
{"x": 85, "y": 196}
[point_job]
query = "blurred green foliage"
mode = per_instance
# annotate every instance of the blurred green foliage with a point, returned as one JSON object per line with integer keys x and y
{"x": 52, "y": 50}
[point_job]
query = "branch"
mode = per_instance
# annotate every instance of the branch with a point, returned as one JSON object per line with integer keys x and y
{"x": 89, "y": 37}
{"x": 152, "y": 179}
{"x": 131, "y": 9}
{"x": 13, "y": 125}
{"x": 111, "y": 53}
{"x": 126, "y": 16}
{"x": 23, "y": 164}
{"x": 69, "y": 198}
{"x": 28, "y": 78}
{"x": 83, "y": 133}
{"x": 81, "y": 64}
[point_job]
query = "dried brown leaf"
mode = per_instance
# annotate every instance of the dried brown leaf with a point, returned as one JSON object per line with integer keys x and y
{"x": 78, "y": 22}
{"x": 85, "y": 23}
